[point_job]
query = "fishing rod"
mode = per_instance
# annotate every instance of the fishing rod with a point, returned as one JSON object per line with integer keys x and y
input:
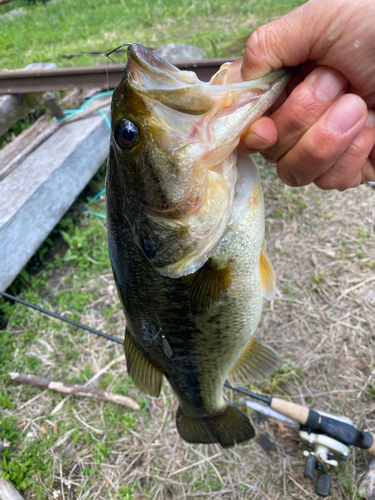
{"x": 312, "y": 419}
{"x": 327, "y": 434}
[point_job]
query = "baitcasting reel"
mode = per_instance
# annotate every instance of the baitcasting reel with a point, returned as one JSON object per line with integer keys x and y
{"x": 325, "y": 450}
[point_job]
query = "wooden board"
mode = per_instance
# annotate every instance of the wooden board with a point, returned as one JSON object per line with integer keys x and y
{"x": 8, "y": 491}
{"x": 35, "y": 195}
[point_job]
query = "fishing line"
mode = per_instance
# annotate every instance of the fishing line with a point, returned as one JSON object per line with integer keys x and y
{"x": 118, "y": 64}
{"x": 93, "y": 54}
{"x": 62, "y": 318}
{"x": 126, "y": 44}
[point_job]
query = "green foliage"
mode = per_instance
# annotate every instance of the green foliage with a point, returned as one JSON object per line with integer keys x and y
{"x": 20, "y": 464}
{"x": 100, "y": 451}
{"x": 50, "y": 32}
{"x": 5, "y": 401}
{"x": 115, "y": 416}
{"x": 86, "y": 373}
{"x": 84, "y": 250}
{"x": 126, "y": 491}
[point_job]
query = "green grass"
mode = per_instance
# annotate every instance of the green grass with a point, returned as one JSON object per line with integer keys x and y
{"x": 54, "y": 31}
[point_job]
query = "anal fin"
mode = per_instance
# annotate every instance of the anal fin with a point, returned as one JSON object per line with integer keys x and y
{"x": 210, "y": 282}
{"x": 227, "y": 428}
{"x": 144, "y": 374}
{"x": 257, "y": 362}
{"x": 267, "y": 274}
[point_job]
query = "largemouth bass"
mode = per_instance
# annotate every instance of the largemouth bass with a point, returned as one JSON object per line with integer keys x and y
{"x": 186, "y": 238}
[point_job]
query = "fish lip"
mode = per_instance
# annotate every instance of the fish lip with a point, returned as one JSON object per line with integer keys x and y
{"x": 153, "y": 77}
{"x": 145, "y": 58}
{"x": 139, "y": 58}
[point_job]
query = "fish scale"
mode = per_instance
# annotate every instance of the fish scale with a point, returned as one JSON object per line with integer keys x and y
{"x": 192, "y": 278}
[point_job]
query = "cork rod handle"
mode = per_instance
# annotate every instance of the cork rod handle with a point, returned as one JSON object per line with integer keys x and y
{"x": 296, "y": 412}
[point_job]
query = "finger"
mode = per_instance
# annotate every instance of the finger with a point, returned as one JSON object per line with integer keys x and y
{"x": 306, "y": 104}
{"x": 283, "y": 42}
{"x": 260, "y": 135}
{"x": 348, "y": 170}
{"x": 319, "y": 149}
{"x": 368, "y": 171}
{"x": 287, "y": 41}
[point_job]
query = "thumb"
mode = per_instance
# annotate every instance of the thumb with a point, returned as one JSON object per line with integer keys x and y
{"x": 283, "y": 42}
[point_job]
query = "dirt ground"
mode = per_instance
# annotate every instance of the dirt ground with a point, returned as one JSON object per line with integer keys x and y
{"x": 322, "y": 323}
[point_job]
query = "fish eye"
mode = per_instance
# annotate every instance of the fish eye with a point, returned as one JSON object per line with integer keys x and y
{"x": 126, "y": 134}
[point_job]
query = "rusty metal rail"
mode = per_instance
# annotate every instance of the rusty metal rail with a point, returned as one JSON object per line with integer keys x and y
{"x": 107, "y": 77}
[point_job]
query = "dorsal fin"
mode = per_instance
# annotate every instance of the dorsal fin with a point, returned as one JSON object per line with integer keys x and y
{"x": 267, "y": 274}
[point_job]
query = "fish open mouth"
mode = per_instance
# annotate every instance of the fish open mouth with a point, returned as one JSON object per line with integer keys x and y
{"x": 199, "y": 125}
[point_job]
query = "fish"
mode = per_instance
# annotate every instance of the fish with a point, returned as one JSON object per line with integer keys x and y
{"x": 186, "y": 224}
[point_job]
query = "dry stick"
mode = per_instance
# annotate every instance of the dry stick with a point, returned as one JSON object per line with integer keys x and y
{"x": 97, "y": 375}
{"x": 76, "y": 390}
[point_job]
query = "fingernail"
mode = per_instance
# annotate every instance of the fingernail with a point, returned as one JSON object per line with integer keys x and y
{"x": 253, "y": 141}
{"x": 329, "y": 84}
{"x": 345, "y": 113}
{"x": 370, "y": 122}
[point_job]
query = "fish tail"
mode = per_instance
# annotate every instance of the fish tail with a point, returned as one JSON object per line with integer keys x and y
{"x": 229, "y": 427}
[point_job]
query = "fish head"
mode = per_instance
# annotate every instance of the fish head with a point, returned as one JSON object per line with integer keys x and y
{"x": 173, "y": 144}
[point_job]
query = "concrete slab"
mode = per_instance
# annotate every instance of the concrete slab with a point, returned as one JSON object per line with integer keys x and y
{"x": 35, "y": 196}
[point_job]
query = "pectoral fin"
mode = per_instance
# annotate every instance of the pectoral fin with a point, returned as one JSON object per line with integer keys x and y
{"x": 257, "y": 362}
{"x": 144, "y": 374}
{"x": 210, "y": 282}
{"x": 267, "y": 274}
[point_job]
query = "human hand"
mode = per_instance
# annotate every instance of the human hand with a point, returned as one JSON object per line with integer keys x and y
{"x": 323, "y": 129}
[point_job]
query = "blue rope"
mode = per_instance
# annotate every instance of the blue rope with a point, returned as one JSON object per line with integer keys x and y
{"x": 84, "y": 209}
{"x": 98, "y": 195}
{"x": 71, "y": 112}
{"x": 103, "y": 216}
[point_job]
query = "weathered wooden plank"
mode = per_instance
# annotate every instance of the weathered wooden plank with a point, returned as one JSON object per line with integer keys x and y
{"x": 8, "y": 491}
{"x": 35, "y": 196}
